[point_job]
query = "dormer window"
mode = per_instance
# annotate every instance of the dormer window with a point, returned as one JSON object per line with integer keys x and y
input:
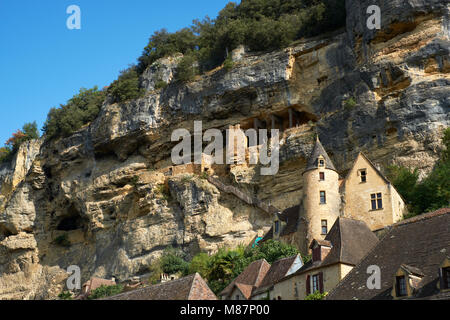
{"x": 321, "y": 163}
{"x": 444, "y": 273}
{"x": 401, "y": 286}
{"x": 446, "y": 277}
{"x": 277, "y": 227}
{"x": 407, "y": 281}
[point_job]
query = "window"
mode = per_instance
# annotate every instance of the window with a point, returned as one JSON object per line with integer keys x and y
{"x": 377, "y": 201}
{"x": 446, "y": 278}
{"x": 237, "y": 297}
{"x": 363, "y": 174}
{"x": 324, "y": 227}
{"x": 323, "y": 197}
{"x": 322, "y": 176}
{"x": 401, "y": 286}
{"x": 277, "y": 227}
{"x": 321, "y": 163}
{"x": 315, "y": 283}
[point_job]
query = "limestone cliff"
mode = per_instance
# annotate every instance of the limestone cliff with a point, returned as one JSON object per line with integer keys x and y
{"x": 106, "y": 192}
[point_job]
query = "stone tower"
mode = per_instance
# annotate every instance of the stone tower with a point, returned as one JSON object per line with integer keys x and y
{"x": 321, "y": 198}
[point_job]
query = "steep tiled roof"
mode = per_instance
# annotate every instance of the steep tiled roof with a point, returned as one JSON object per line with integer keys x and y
{"x": 192, "y": 287}
{"x": 290, "y": 217}
{"x": 351, "y": 240}
{"x": 253, "y": 275}
{"x": 319, "y": 150}
{"x": 277, "y": 271}
{"x": 422, "y": 242}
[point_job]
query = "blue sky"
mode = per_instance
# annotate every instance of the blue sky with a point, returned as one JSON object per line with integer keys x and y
{"x": 43, "y": 64}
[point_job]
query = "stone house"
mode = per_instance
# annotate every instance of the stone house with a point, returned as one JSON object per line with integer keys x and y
{"x": 242, "y": 287}
{"x": 92, "y": 284}
{"x": 192, "y": 287}
{"x": 278, "y": 270}
{"x": 332, "y": 259}
{"x": 365, "y": 194}
{"x": 257, "y": 280}
{"x": 413, "y": 259}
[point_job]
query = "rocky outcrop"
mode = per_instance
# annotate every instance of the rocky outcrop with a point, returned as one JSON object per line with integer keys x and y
{"x": 105, "y": 200}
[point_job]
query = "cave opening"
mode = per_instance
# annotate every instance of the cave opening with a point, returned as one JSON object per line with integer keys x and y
{"x": 72, "y": 221}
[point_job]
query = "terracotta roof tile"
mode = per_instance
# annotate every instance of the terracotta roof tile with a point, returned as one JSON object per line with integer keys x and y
{"x": 252, "y": 275}
{"x": 192, "y": 287}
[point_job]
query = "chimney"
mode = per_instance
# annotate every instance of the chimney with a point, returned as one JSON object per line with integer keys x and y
{"x": 320, "y": 249}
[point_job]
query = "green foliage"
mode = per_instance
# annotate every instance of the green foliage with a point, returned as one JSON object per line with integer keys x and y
{"x": 271, "y": 251}
{"x": 187, "y": 178}
{"x": 29, "y": 132}
{"x": 105, "y": 291}
{"x": 316, "y": 296}
{"x": 81, "y": 109}
{"x": 350, "y": 103}
{"x": 187, "y": 69}
{"x": 5, "y": 154}
{"x": 430, "y": 194}
{"x": 258, "y": 24}
{"x": 221, "y": 268}
{"x": 164, "y": 191}
{"x": 200, "y": 264}
{"x": 126, "y": 87}
{"x": 134, "y": 181}
{"x": 404, "y": 181}
{"x": 160, "y": 84}
{"x": 228, "y": 64}
{"x": 172, "y": 261}
{"x": 65, "y": 295}
{"x": 62, "y": 241}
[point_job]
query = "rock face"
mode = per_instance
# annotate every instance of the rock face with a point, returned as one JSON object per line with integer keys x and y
{"x": 102, "y": 199}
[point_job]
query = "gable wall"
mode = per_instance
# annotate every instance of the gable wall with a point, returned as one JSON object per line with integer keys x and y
{"x": 358, "y": 197}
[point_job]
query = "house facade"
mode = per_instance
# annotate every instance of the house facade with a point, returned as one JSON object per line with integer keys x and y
{"x": 332, "y": 259}
{"x": 365, "y": 194}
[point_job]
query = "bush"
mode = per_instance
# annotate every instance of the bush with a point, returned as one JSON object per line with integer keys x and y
{"x": 81, "y": 109}
{"x": 160, "y": 84}
{"x": 172, "y": 261}
{"x": 5, "y": 154}
{"x": 126, "y": 87}
{"x": 316, "y": 296}
{"x": 350, "y": 103}
{"x": 258, "y": 24}
{"x": 187, "y": 69}
{"x": 228, "y": 64}
{"x": 29, "y": 132}
{"x": 105, "y": 291}
{"x": 430, "y": 194}
{"x": 65, "y": 295}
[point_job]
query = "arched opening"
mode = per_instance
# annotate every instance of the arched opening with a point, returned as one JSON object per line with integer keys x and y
{"x": 72, "y": 221}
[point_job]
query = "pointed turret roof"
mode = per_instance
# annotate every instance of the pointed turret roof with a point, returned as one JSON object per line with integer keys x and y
{"x": 319, "y": 150}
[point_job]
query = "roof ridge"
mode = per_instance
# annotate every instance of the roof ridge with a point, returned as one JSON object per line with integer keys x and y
{"x": 422, "y": 216}
{"x": 192, "y": 285}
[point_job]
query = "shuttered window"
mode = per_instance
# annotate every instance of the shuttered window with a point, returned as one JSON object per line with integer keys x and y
{"x": 315, "y": 283}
